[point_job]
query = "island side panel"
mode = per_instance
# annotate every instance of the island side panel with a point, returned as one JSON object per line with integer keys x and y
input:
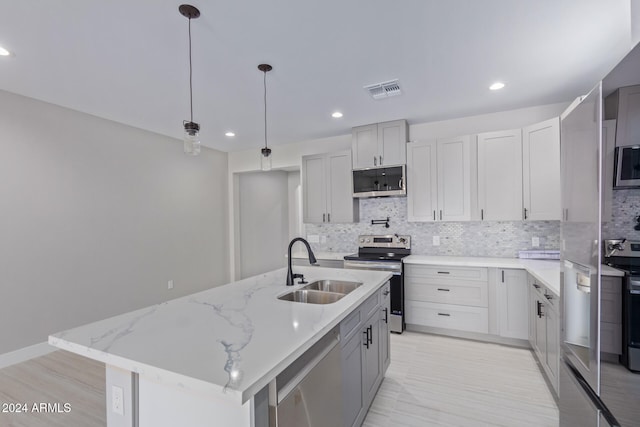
{"x": 162, "y": 405}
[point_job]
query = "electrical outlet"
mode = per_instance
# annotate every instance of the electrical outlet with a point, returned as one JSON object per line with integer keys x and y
{"x": 535, "y": 242}
{"x": 170, "y": 284}
{"x": 436, "y": 240}
{"x": 117, "y": 400}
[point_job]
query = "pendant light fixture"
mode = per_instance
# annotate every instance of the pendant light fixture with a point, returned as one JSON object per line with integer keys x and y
{"x": 191, "y": 129}
{"x": 265, "y": 157}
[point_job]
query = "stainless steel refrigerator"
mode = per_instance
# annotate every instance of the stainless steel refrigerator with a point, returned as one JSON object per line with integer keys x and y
{"x": 595, "y": 389}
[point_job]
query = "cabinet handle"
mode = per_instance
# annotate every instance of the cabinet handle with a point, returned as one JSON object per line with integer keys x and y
{"x": 548, "y": 297}
{"x": 370, "y": 329}
{"x": 444, "y": 290}
{"x": 329, "y": 217}
{"x": 540, "y": 313}
{"x": 386, "y": 292}
{"x": 444, "y": 314}
{"x": 481, "y": 214}
{"x": 440, "y": 214}
{"x": 502, "y": 276}
{"x": 536, "y": 286}
{"x": 323, "y": 217}
{"x": 444, "y": 272}
{"x": 380, "y": 160}
{"x": 434, "y": 215}
{"x": 366, "y": 338}
{"x": 386, "y": 315}
{"x": 375, "y": 161}
{"x": 525, "y": 213}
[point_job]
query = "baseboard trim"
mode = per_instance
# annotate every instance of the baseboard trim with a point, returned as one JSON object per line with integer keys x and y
{"x": 475, "y": 336}
{"x": 24, "y": 354}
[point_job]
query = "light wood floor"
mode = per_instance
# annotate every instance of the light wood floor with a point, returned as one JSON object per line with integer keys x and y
{"x": 441, "y": 381}
{"x": 432, "y": 381}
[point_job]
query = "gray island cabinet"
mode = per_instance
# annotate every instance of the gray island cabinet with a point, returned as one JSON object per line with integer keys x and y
{"x": 214, "y": 357}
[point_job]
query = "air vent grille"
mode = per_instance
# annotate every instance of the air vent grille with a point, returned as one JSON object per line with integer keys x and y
{"x": 384, "y": 89}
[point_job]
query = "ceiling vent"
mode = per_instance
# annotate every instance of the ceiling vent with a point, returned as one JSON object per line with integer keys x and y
{"x": 384, "y": 89}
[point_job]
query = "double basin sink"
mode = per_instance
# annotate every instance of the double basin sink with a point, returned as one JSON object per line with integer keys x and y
{"x": 321, "y": 292}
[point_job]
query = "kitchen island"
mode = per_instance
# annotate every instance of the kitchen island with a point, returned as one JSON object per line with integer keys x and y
{"x": 202, "y": 359}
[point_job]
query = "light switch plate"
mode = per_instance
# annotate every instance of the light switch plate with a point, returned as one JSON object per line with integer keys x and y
{"x": 535, "y": 242}
{"x": 436, "y": 240}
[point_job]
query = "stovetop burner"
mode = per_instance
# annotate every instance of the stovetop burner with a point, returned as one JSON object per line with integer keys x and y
{"x": 391, "y": 248}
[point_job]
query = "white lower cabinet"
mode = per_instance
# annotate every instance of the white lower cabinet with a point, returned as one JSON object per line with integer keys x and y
{"x": 512, "y": 303}
{"x": 544, "y": 336}
{"x": 447, "y": 297}
{"x": 365, "y": 355}
{"x": 611, "y": 315}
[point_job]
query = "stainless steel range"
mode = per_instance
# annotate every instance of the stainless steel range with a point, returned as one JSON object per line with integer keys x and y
{"x": 385, "y": 253}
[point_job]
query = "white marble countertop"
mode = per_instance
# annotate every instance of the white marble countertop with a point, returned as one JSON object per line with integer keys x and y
{"x": 227, "y": 342}
{"x": 333, "y": 256}
{"x": 547, "y": 271}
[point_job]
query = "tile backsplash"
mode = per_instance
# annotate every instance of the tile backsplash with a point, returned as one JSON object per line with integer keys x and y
{"x": 471, "y": 238}
{"x": 624, "y": 211}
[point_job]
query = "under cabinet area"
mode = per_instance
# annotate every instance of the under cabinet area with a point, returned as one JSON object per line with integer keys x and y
{"x": 365, "y": 355}
{"x": 379, "y": 144}
{"x": 544, "y": 330}
{"x": 327, "y": 190}
{"x": 440, "y": 176}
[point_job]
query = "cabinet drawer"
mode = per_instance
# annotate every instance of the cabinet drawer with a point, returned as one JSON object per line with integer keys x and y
{"x": 611, "y": 285}
{"x": 350, "y": 325}
{"x": 370, "y": 305}
{"x": 611, "y": 307}
{"x": 447, "y": 292}
{"x": 432, "y": 271}
{"x": 462, "y": 318}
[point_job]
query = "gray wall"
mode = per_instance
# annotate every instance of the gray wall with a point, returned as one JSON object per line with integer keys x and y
{"x": 263, "y": 210}
{"x": 96, "y": 217}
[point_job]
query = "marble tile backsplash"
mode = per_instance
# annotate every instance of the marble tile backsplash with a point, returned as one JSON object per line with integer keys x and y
{"x": 624, "y": 211}
{"x": 473, "y": 238}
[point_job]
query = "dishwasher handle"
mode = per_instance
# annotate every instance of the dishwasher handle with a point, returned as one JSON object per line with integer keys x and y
{"x": 284, "y": 391}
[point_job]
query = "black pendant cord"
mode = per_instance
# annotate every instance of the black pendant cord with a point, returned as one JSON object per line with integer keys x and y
{"x": 190, "y": 74}
{"x": 265, "y": 109}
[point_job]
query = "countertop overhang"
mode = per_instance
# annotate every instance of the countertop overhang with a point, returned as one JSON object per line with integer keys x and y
{"x": 227, "y": 342}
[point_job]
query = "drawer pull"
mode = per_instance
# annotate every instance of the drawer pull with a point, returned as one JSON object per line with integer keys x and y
{"x": 547, "y": 296}
{"x": 366, "y": 338}
{"x": 444, "y": 272}
{"x": 444, "y": 314}
{"x": 444, "y": 290}
{"x": 536, "y": 286}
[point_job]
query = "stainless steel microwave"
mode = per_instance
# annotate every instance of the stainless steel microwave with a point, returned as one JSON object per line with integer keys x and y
{"x": 627, "y": 166}
{"x": 379, "y": 182}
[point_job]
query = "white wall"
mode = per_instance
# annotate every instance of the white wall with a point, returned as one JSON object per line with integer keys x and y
{"x": 288, "y": 157}
{"x": 263, "y": 216}
{"x": 96, "y": 217}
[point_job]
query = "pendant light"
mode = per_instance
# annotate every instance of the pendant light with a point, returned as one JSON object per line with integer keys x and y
{"x": 265, "y": 153}
{"x": 191, "y": 129}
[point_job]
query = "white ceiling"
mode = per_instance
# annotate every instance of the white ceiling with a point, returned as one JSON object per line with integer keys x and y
{"x": 126, "y": 60}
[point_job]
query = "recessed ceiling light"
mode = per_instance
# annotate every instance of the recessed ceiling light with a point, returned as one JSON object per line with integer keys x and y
{"x": 336, "y": 115}
{"x": 4, "y": 52}
{"x": 496, "y": 86}
{"x": 230, "y": 134}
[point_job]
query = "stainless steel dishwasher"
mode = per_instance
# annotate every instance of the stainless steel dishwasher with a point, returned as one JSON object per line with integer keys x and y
{"x": 309, "y": 392}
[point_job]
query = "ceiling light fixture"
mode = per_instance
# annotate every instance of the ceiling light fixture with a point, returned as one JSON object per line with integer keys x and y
{"x": 265, "y": 159}
{"x": 336, "y": 115}
{"x": 229, "y": 134}
{"x": 496, "y": 86}
{"x": 4, "y": 52}
{"x": 191, "y": 129}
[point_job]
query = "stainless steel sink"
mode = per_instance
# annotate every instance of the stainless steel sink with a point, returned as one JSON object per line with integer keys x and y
{"x": 339, "y": 286}
{"x": 311, "y": 296}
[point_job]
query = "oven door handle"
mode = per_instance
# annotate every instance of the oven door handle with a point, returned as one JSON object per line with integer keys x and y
{"x": 372, "y": 265}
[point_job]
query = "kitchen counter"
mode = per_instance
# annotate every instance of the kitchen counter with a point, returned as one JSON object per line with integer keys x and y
{"x": 226, "y": 342}
{"x": 548, "y": 271}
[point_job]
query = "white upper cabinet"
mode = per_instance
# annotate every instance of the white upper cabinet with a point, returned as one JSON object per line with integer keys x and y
{"x": 541, "y": 170}
{"x": 327, "y": 189}
{"x": 500, "y": 175}
{"x": 624, "y": 105}
{"x": 422, "y": 181}
{"x": 439, "y": 180}
{"x": 381, "y": 144}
